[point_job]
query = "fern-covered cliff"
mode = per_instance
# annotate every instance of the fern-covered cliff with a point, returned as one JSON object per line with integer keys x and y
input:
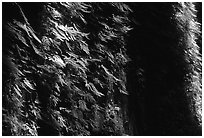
{"x": 101, "y": 69}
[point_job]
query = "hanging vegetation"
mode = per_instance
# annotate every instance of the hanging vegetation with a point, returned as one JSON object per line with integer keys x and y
{"x": 66, "y": 65}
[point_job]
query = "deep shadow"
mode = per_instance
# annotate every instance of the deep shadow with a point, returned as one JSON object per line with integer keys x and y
{"x": 155, "y": 77}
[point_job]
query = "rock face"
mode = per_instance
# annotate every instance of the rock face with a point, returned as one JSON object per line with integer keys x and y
{"x": 101, "y": 69}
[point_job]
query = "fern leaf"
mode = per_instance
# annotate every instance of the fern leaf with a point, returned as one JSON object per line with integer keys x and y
{"x": 28, "y": 84}
{"x": 109, "y": 74}
{"x": 91, "y": 87}
{"x": 17, "y": 91}
{"x": 58, "y": 61}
